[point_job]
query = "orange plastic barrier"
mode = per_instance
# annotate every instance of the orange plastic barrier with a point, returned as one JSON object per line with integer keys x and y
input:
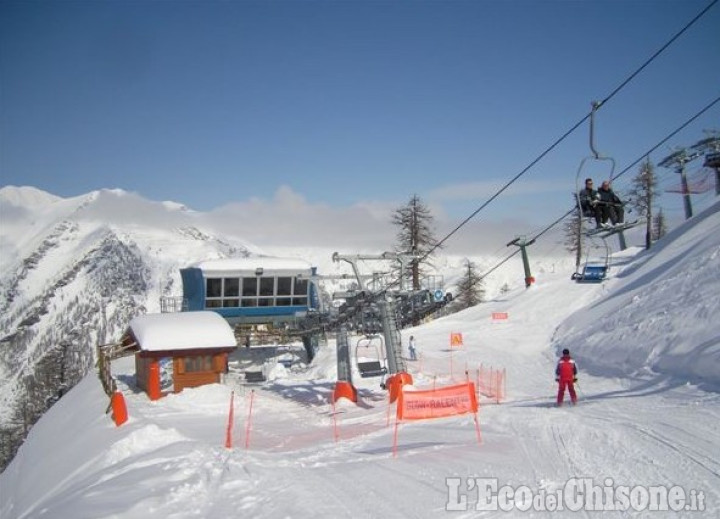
{"x": 437, "y": 403}
{"x": 344, "y": 389}
{"x": 395, "y": 383}
{"x": 119, "y": 409}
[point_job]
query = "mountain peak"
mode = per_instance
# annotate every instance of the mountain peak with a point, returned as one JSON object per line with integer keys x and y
{"x": 27, "y": 196}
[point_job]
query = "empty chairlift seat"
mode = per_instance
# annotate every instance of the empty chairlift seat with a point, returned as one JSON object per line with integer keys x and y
{"x": 592, "y": 273}
{"x": 369, "y": 356}
{"x": 371, "y": 369}
{"x": 254, "y": 377}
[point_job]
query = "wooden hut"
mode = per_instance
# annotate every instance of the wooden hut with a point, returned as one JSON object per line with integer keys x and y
{"x": 179, "y": 350}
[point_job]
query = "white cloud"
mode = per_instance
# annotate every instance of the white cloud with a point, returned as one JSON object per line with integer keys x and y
{"x": 289, "y": 219}
{"x": 482, "y": 190}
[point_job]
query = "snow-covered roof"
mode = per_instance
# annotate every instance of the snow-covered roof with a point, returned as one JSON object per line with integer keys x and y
{"x": 267, "y": 264}
{"x": 182, "y": 331}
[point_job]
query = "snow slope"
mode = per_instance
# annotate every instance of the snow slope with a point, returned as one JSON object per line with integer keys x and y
{"x": 629, "y": 331}
{"x": 642, "y": 419}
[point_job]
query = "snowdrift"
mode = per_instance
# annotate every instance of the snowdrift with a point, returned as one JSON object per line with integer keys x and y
{"x": 660, "y": 313}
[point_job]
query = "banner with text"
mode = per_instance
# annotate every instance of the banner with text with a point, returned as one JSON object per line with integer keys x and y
{"x": 437, "y": 403}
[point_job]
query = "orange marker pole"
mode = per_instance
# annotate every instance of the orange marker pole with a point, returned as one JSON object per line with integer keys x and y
{"x": 336, "y": 433}
{"x": 477, "y": 429}
{"x": 231, "y": 419}
{"x": 249, "y": 420}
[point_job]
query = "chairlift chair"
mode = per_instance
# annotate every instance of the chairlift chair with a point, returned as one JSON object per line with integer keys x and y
{"x": 591, "y": 273}
{"x": 372, "y": 348}
{"x": 594, "y": 157}
{"x": 594, "y": 270}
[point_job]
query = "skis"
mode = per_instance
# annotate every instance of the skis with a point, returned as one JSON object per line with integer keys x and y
{"x": 612, "y": 229}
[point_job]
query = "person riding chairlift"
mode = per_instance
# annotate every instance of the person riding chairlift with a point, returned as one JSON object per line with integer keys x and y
{"x": 610, "y": 205}
{"x": 589, "y": 202}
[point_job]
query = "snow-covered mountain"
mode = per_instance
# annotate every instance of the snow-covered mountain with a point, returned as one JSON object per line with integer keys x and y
{"x": 643, "y": 438}
{"x": 74, "y": 272}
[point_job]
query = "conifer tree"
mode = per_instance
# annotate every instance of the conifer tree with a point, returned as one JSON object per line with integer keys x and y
{"x": 643, "y": 192}
{"x": 470, "y": 289}
{"x": 659, "y": 225}
{"x": 415, "y": 235}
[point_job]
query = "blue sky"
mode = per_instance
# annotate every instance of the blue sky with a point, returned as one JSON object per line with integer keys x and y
{"x": 211, "y": 103}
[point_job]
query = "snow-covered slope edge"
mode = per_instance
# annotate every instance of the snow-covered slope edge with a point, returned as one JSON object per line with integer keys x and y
{"x": 661, "y": 313}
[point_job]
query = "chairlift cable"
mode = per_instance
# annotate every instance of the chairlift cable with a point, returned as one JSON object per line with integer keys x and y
{"x": 670, "y": 136}
{"x": 564, "y": 136}
{"x": 657, "y": 53}
{"x": 559, "y": 140}
{"x": 641, "y": 158}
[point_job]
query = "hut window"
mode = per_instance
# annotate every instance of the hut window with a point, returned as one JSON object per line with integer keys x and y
{"x": 199, "y": 363}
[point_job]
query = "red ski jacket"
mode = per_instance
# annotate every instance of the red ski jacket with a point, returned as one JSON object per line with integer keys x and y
{"x": 566, "y": 369}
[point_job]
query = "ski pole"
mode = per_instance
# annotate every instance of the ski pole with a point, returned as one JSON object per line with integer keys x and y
{"x": 580, "y": 391}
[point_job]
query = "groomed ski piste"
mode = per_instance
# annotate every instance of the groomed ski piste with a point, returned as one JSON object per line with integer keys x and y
{"x": 647, "y": 344}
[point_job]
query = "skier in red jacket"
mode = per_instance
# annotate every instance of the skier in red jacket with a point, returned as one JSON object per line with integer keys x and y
{"x": 566, "y": 376}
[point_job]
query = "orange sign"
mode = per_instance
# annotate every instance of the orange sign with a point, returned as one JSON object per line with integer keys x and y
{"x": 499, "y": 316}
{"x": 456, "y": 339}
{"x": 437, "y": 403}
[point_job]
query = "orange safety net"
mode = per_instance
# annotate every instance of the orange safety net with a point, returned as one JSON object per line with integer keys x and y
{"x": 492, "y": 382}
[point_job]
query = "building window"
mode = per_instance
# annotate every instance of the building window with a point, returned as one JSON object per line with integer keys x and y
{"x": 284, "y": 286}
{"x": 249, "y": 287}
{"x": 197, "y": 364}
{"x": 248, "y": 292}
{"x": 300, "y": 292}
{"x": 267, "y": 286}
{"x": 231, "y": 287}
{"x": 214, "y": 287}
{"x": 301, "y": 287}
